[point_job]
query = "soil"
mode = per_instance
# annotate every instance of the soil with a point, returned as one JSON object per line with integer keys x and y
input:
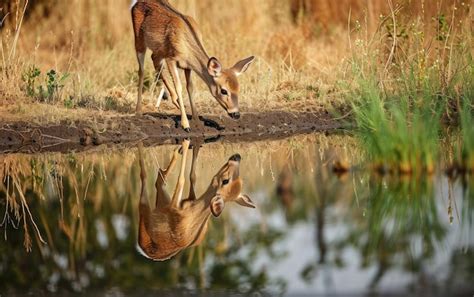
{"x": 156, "y": 129}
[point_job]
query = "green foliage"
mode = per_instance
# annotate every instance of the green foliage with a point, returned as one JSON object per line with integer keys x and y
{"x": 398, "y": 131}
{"x": 402, "y": 97}
{"x": 29, "y": 77}
{"x": 69, "y": 102}
{"x": 443, "y": 28}
{"x": 48, "y": 92}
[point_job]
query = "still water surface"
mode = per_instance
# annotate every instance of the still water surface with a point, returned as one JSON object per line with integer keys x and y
{"x": 71, "y": 224}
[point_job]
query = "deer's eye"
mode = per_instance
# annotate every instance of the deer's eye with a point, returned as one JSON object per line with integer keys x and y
{"x": 225, "y": 182}
{"x": 224, "y": 92}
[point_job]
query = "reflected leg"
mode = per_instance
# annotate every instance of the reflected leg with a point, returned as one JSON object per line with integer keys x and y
{"x": 192, "y": 175}
{"x": 162, "y": 197}
{"x": 178, "y": 193}
{"x": 143, "y": 192}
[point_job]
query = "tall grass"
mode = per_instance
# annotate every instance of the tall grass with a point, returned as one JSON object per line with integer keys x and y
{"x": 408, "y": 83}
{"x": 396, "y": 135}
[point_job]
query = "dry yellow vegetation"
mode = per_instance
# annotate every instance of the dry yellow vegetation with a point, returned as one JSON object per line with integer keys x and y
{"x": 303, "y": 47}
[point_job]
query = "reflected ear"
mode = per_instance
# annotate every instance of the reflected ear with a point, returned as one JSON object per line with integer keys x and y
{"x": 217, "y": 206}
{"x": 245, "y": 200}
{"x": 242, "y": 66}
{"x": 214, "y": 67}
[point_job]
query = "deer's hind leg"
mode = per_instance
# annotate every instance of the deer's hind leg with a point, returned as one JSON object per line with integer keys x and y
{"x": 158, "y": 63}
{"x": 138, "y": 17}
{"x": 162, "y": 197}
{"x": 178, "y": 192}
{"x": 141, "y": 78}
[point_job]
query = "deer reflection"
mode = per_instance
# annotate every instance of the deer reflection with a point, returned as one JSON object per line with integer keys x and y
{"x": 176, "y": 223}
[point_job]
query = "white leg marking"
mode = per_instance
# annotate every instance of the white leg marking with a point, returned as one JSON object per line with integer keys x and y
{"x": 160, "y": 97}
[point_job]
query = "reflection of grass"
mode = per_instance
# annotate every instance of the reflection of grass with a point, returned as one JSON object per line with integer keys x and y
{"x": 76, "y": 198}
{"x": 467, "y": 130}
{"x": 400, "y": 213}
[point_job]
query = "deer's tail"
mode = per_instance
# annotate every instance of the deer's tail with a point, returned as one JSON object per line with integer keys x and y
{"x": 134, "y": 2}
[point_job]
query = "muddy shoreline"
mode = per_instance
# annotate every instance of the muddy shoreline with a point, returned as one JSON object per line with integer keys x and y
{"x": 156, "y": 129}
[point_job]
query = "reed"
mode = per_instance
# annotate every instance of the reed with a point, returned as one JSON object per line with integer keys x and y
{"x": 407, "y": 84}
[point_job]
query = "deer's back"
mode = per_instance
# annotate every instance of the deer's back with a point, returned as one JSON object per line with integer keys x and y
{"x": 161, "y": 29}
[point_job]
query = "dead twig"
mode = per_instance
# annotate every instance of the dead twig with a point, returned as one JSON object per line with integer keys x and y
{"x": 394, "y": 36}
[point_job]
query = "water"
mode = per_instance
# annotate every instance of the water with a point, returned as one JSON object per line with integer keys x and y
{"x": 313, "y": 232}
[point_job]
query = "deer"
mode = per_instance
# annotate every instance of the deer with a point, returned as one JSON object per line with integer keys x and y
{"x": 175, "y": 40}
{"x": 175, "y": 224}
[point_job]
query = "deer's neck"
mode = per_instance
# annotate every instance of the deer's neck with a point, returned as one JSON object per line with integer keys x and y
{"x": 201, "y": 206}
{"x": 198, "y": 63}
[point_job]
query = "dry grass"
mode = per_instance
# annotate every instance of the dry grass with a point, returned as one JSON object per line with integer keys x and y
{"x": 300, "y": 65}
{"x": 327, "y": 13}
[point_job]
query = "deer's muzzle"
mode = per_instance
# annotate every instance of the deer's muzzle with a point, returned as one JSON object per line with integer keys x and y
{"x": 235, "y": 158}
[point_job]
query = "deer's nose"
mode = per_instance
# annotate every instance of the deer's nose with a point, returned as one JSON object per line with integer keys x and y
{"x": 235, "y": 115}
{"x": 235, "y": 158}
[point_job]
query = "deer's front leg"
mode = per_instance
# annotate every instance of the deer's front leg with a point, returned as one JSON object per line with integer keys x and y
{"x": 173, "y": 68}
{"x": 190, "y": 89}
{"x": 178, "y": 192}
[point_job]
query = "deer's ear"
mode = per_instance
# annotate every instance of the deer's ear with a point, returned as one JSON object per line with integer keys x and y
{"x": 245, "y": 200}
{"x": 217, "y": 206}
{"x": 242, "y": 66}
{"x": 214, "y": 67}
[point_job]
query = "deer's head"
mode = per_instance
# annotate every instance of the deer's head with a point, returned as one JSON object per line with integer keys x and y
{"x": 228, "y": 187}
{"x": 226, "y": 84}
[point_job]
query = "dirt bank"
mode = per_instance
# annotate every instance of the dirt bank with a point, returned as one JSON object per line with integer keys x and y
{"x": 156, "y": 129}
